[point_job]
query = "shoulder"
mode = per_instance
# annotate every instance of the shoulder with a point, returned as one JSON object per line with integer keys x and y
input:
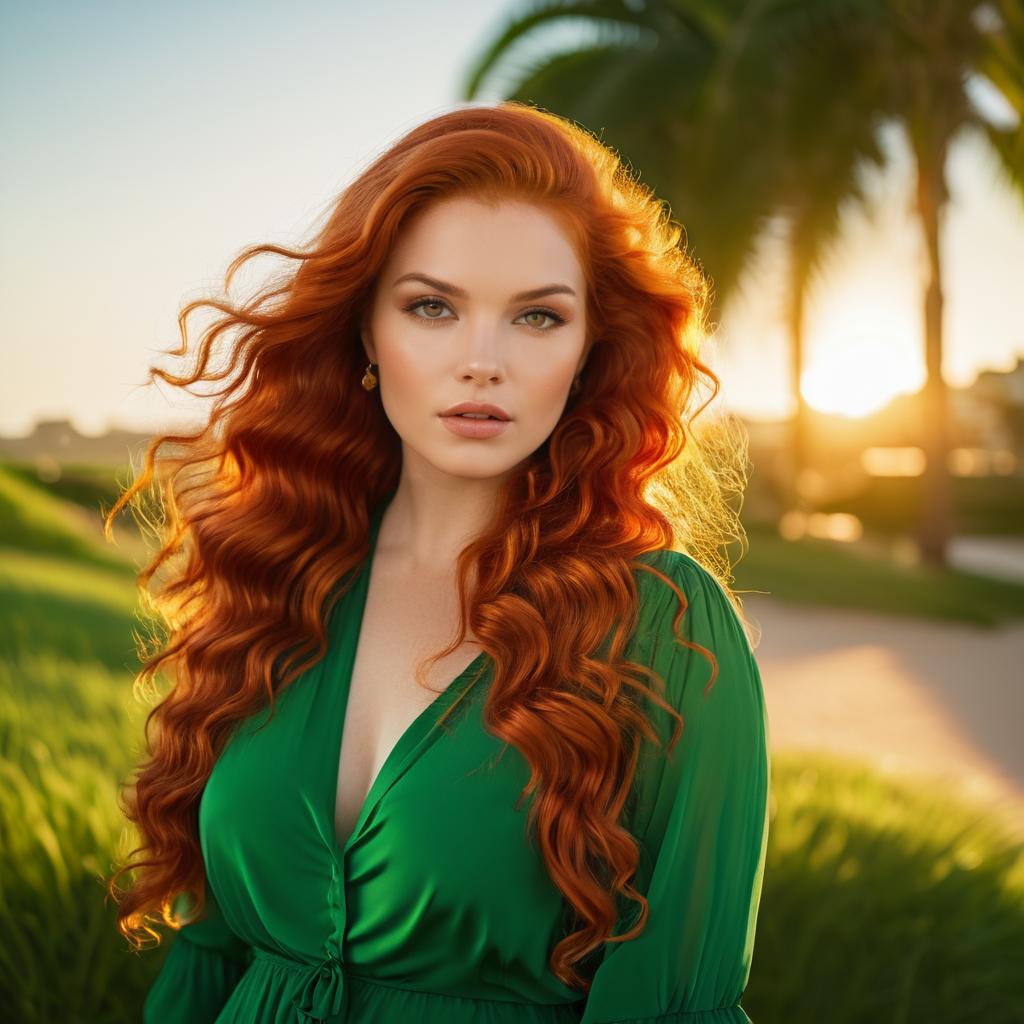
{"x": 710, "y": 615}
{"x": 706, "y": 658}
{"x": 698, "y": 584}
{"x": 679, "y": 566}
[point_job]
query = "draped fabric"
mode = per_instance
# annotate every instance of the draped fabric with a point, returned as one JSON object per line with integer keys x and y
{"x": 438, "y": 908}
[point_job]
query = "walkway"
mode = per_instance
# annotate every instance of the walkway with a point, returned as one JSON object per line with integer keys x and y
{"x": 942, "y": 699}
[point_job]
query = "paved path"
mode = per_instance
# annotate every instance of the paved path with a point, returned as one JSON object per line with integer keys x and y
{"x": 940, "y": 699}
{"x": 1002, "y": 557}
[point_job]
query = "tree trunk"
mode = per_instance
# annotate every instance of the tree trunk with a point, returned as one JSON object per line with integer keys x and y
{"x": 934, "y": 523}
{"x": 799, "y": 444}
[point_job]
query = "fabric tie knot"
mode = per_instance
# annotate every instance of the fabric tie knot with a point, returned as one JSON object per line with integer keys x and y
{"x": 321, "y": 1000}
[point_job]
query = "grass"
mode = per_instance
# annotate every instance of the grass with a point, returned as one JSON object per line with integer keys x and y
{"x": 87, "y": 485}
{"x": 51, "y": 603}
{"x": 61, "y": 958}
{"x": 884, "y": 900}
{"x": 819, "y": 572}
{"x": 34, "y": 519}
{"x": 70, "y": 731}
{"x": 982, "y": 505}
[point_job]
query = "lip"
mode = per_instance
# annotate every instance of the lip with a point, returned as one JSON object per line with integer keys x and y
{"x": 484, "y": 407}
{"x": 475, "y": 428}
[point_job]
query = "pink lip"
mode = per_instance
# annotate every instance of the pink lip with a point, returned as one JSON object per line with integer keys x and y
{"x": 474, "y": 428}
{"x": 485, "y": 407}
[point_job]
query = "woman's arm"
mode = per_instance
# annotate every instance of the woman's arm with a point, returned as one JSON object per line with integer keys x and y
{"x": 701, "y": 820}
{"x": 204, "y": 964}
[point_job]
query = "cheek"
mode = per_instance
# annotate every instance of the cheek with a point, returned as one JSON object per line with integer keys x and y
{"x": 406, "y": 372}
{"x": 549, "y": 381}
{"x": 544, "y": 395}
{"x": 407, "y": 356}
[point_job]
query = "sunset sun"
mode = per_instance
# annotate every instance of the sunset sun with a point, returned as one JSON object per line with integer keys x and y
{"x": 855, "y": 376}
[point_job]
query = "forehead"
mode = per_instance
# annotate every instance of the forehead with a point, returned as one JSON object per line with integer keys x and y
{"x": 467, "y": 240}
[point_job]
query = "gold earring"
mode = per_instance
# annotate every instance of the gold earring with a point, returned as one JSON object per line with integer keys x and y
{"x": 369, "y": 381}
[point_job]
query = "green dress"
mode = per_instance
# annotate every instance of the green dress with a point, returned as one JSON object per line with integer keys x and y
{"x": 438, "y": 909}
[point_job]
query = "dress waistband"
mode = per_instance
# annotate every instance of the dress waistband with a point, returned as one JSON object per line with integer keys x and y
{"x": 323, "y": 997}
{"x": 328, "y": 985}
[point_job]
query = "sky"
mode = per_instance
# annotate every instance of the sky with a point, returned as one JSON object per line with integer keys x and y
{"x": 146, "y": 145}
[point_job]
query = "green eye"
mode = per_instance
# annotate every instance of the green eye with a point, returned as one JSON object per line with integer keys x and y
{"x": 425, "y": 302}
{"x": 413, "y": 307}
{"x": 550, "y": 313}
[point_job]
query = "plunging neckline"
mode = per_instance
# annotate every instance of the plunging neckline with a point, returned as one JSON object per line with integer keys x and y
{"x": 339, "y": 682}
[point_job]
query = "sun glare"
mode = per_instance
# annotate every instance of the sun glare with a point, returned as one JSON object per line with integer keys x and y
{"x": 856, "y": 376}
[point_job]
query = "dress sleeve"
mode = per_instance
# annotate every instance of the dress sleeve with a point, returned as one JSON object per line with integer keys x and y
{"x": 202, "y": 967}
{"x": 700, "y": 818}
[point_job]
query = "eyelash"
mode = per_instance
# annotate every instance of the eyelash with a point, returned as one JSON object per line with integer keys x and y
{"x": 434, "y": 301}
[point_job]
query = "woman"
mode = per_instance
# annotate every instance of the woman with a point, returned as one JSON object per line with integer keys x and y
{"x": 562, "y": 815}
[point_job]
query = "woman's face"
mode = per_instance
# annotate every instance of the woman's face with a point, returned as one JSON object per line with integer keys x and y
{"x": 446, "y": 326}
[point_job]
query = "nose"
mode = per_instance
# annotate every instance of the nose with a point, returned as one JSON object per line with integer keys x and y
{"x": 482, "y": 361}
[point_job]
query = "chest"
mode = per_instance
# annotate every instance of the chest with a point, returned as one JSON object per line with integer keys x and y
{"x": 404, "y": 621}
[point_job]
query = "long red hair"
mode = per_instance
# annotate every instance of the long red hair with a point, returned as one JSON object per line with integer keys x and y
{"x": 267, "y": 507}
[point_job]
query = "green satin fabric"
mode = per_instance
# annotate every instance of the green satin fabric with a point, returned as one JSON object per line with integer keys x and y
{"x": 438, "y": 907}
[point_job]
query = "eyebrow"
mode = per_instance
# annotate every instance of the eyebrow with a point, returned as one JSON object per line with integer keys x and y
{"x": 461, "y": 293}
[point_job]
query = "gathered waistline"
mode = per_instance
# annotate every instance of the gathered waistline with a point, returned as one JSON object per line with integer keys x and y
{"x": 303, "y": 966}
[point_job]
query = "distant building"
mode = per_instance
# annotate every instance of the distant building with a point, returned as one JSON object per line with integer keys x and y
{"x": 990, "y": 412}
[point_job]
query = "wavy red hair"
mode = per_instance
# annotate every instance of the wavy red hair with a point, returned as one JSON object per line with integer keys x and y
{"x": 265, "y": 510}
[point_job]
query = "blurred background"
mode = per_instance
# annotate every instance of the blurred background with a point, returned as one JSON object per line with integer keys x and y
{"x": 850, "y": 174}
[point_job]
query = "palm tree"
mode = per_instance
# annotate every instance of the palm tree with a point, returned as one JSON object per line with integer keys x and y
{"x": 933, "y": 53}
{"x": 823, "y": 134}
{"x": 740, "y": 111}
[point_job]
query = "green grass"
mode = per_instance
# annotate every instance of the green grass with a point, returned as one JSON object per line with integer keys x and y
{"x": 49, "y": 603}
{"x": 90, "y": 486}
{"x": 34, "y": 519}
{"x": 884, "y": 900}
{"x": 826, "y": 573}
{"x": 979, "y": 505}
{"x": 67, "y": 735}
{"x": 70, "y": 731}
